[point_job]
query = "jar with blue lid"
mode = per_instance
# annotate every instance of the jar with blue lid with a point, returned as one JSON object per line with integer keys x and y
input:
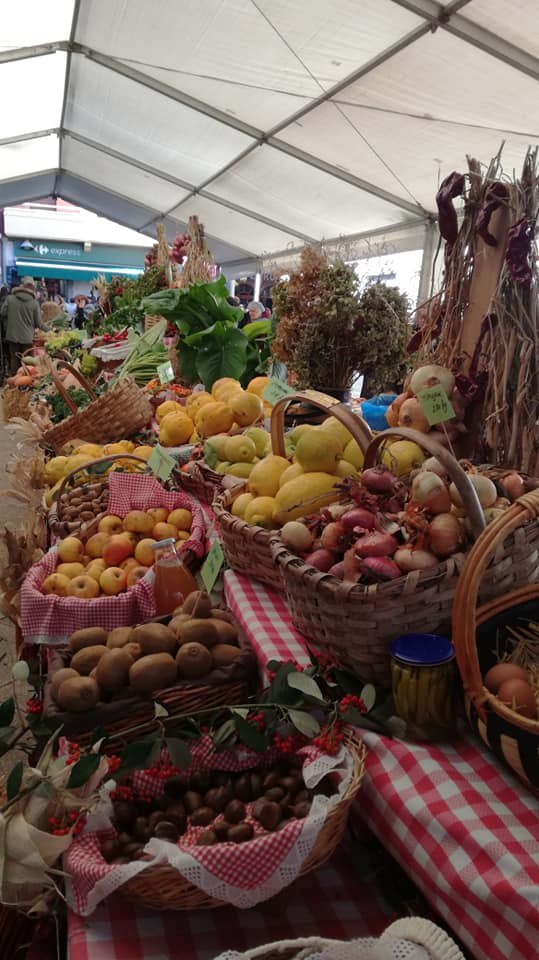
{"x": 373, "y": 410}
{"x": 423, "y": 682}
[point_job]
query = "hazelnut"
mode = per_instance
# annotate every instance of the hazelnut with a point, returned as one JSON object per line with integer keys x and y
{"x": 206, "y": 838}
{"x": 221, "y": 829}
{"x": 165, "y": 830}
{"x": 175, "y": 787}
{"x": 275, "y": 794}
{"x": 242, "y": 788}
{"x": 192, "y": 801}
{"x": 218, "y": 797}
{"x": 202, "y": 817}
{"x": 269, "y": 815}
{"x": 240, "y": 833}
{"x": 235, "y": 811}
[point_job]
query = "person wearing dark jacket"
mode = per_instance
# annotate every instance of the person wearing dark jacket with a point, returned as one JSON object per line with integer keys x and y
{"x": 21, "y": 318}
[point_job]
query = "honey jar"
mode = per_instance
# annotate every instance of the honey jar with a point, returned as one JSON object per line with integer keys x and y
{"x": 423, "y": 681}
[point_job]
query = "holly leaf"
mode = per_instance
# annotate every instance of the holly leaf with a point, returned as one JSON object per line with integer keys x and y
{"x": 349, "y": 683}
{"x": 83, "y": 770}
{"x": 306, "y": 685}
{"x": 134, "y": 756}
{"x": 368, "y": 695}
{"x": 250, "y": 736}
{"x": 179, "y": 752}
{"x": 13, "y": 782}
{"x": 279, "y": 691}
{"x": 7, "y": 711}
{"x": 304, "y": 722}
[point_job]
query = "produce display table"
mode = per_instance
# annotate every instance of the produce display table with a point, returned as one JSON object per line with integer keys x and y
{"x": 462, "y": 826}
{"x": 335, "y": 901}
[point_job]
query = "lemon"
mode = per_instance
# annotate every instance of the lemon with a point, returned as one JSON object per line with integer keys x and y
{"x": 218, "y": 444}
{"x": 305, "y": 495}
{"x": 222, "y": 382}
{"x": 246, "y": 407}
{"x": 402, "y": 456}
{"x": 294, "y": 435}
{"x": 144, "y": 451}
{"x": 240, "y": 504}
{"x": 78, "y": 460}
{"x": 258, "y": 385}
{"x": 260, "y": 512}
{"x": 242, "y": 470}
{"x": 168, "y": 406}
{"x": 337, "y": 429}
{"x": 55, "y": 470}
{"x": 293, "y": 471}
{"x": 261, "y": 440}
{"x": 213, "y": 418}
{"x": 91, "y": 449}
{"x": 354, "y": 454}
{"x": 345, "y": 469}
{"x": 240, "y": 449}
{"x": 222, "y": 466}
{"x": 319, "y": 452}
{"x": 265, "y": 476}
{"x": 175, "y": 429}
{"x": 196, "y": 401}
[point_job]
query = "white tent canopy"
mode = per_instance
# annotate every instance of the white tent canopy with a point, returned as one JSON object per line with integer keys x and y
{"x": 275, "y": 121}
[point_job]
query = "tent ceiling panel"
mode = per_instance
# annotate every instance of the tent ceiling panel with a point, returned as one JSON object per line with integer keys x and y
{"x": 227, "y": 53}
{"x": 28, "y": 156}
{"x": 111, "y": 109}
{"x": 429, "y": 150}
{"x": 442, "y": 77}
{"x": 224, "y": 222}
{"x": 24, "y": 25}
{"x": 119, "y": 177}
{"x": 99, "y": 200}
{"x": 27, "y": 188}
{"x": 315, "y": 203}
{"x": 32, "y": 93}
{"x": 517, "y": 25}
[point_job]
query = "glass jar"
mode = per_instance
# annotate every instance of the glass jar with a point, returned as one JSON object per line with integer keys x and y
{"x": 423, "y": 681}
{"x": 172, "y": 580}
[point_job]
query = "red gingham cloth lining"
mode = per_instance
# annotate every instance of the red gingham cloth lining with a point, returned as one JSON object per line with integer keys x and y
{"x": 51, "y": 619}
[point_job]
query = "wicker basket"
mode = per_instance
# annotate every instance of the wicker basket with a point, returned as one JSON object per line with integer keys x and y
{"x": 356, "y": 623}
{"x": 200, "y": 480}
{"x": 59, "y": 525}
{"x": 512, "y": 737}
{"x": 247, "y": 547}
{"x": 163, "y": 888}
{"x": 116, "y": 415}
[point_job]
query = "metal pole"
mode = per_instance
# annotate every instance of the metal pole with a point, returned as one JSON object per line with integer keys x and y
{"x": 429, "y": 249}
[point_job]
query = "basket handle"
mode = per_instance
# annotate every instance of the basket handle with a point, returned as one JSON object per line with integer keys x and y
{"x": 465, "y": 603}
{"x": 467, "y": 491}
{"x": 93, "y": 463}
{"x": 356, "y": 425}
{"x": 62, "y": 364}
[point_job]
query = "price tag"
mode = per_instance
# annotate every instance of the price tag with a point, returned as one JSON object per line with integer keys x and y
{"x": 276, "y": 390}
{"x": 212, "y": 565}
{"x": 435, "y": 405}
{"x": 165, "y": 372}
{"x": 161, "y": 463}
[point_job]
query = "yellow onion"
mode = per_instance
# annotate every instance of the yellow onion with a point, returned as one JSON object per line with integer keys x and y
{"x": 430, "y": 376}
{"x": 430, "y": 492}
{"x": 408, "y": 559}
{"x": 411, "y": 415}
{"x": 445, "y": 535}
{"x": 485, "y": 489}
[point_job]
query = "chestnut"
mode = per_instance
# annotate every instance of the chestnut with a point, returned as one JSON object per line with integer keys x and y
{"x": 141, "y": 829}
{"x": 301, "y": 810}
{"x": 218, "y": 797}
{"x": 269, "y": 814}
{"x": 131, "y": 850}
{"x": 206, "y": 838}
{"x": 270, "y": 780}
{"x": 275, "y": 794}
{"x": 202, "y": 817}
{"x": 124, "y": 813}
{"x": 175, "y": 787}
{"x": 192, "y": 801}
{"x": 165, "y": 830}
{"x": 234, "y": 811}
{"x": 110, "y": 848}
{"x": 256, "y": 785}
{"x": 124, "y": 838}
{"x": 221, "y": 829}
{"x": 291, "y": 784}
{"x": 201, "y": 782}
{"x": 240, "y": 833}
{"x": 176, "y": 814}
{"x": 242, "y": 788}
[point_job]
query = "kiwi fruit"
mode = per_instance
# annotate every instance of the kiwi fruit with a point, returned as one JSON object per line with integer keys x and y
{"x": 226, "y": 632}
{"x": 88, "y": 637}
{"x": 84, "y": 661}
{"x": 193, "y": 660}
{"x": 119, "y": 637}
{"x": 154, "y": 638}
{"x": 177, "y": 621}
{"x": 217, "y": 614}
{"x": 58, "y": 678}
{"x": 153, "y": 672}
{"x": 78, "y": 694}
{"x": 133, "y": 650}
{"x": 198, "y": 604}
{"x": 112, "y": 670}
{"x": 223, "y": 654}
{"x": 198, "y": 631}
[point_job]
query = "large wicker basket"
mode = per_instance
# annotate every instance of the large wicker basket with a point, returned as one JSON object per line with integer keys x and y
{"x": 116, "y": 415}
{"x": 163, "y": 888}
{"x": 200, "y": 480}
{"x": 356, "y": 623}
{"x": 478, "y": 631}
{"x": 247, "y": 547}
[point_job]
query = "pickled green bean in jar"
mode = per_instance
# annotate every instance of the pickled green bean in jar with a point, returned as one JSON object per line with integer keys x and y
{"x": 423, "y": 681}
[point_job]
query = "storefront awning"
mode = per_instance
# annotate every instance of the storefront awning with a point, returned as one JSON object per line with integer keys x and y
{"x": 67, "y": 271}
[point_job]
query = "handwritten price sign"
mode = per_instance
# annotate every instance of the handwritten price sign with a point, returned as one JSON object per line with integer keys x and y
{"x": 165, "y": 372}
{"x": 435, "y": 405}
{"x": 276, "y": 390}
{"x": 161, "y": 463}
{"x": 212, "y": 565}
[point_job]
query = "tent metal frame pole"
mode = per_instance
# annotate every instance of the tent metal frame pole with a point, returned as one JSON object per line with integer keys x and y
{"x": 74, "y": 22}
{"x": 35, "y": 135}
{"x": 37, "y": 50}
{"x": 429, "y": 250}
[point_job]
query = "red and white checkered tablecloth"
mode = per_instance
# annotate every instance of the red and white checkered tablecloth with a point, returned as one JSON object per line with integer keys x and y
{"x": 334, "y": 902}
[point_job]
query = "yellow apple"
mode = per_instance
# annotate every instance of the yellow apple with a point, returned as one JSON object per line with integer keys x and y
{"x": 180, "y": 518}
{"x": 136, "y": 574}
{"x": 85, "y": 588}
{"x": 164, "y": 531}
{"x": 70, "y": 569}
{"x": 118, "y": 548}
{"x": 144, "y": 555}
{"x": 96, "y": 544}
{"x": 159, "y": 514}
{"x": 110, "y": 524}
{"x": 113, "y": 581}
{"x": 71, "y": 550}
{"x": 95, "y": 568}
{"x": 138, "y": 522}
{"x": 56, "y": 583}
{"x": 128, "y": 564}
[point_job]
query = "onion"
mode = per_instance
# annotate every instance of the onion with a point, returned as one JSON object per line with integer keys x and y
{"x": 337, "y": 570}
{"x": 337, "y": 509}
{"x": 434, "y": 466}
{"x": 485, "y": 489}
{"x": 392, "y": 412}
{"x": 430, "y": 492}
{"x": 380, "y": 568}
{"x": 297, "y": 536}
{"x": 321, "y": 559}
{"x": 351, "y": 566}
{"x": 357, "y": 517}
{"x": 430, "y": 376}
{"x": 333, "y": 536}
{"x": 445, "y": 535}
{"x": 514, "y": 485}
{"x": 378, "y": 480}
{"x": 375, "y": 544}
{"x": 411, "y": 415}
{"x": 409, "y": 559}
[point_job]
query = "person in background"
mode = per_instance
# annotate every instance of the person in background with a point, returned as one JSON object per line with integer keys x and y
{"x": 80, "y": 317}
{"x": 255, "y": 309}
{"x": 21, "y": 317}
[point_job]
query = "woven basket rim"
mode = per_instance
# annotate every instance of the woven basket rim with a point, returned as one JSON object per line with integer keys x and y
{"x": 118, "y": 393}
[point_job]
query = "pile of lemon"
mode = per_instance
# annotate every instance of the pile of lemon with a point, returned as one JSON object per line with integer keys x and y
{"x": 228, "y": 408}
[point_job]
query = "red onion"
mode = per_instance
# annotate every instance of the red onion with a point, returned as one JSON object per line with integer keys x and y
{"x": 378, "y": 480}
{"x": 445, "y": 535}
{"x": 333, "y": 536}
{"x": 380, "y": 568}
{"x": 321, "y": 559}
{"x": 430, "y": 492}
{"x": 351, "y": 566}
{"x": 337, "y": 570}
{"x": 375, "y": 545}
{"x": 409, "y": 559}
{"x": 357, "y": 517}
{"x": 514, "y": 485}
